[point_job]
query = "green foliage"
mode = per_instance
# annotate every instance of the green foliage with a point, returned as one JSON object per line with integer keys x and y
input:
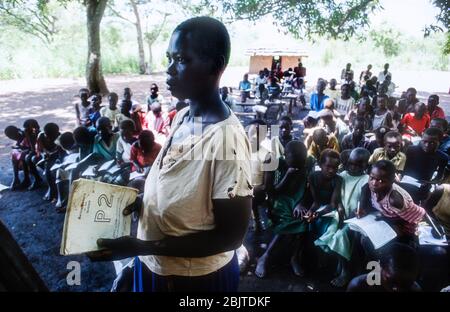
{"x": 442, "y": 23}
{"x": 30, "y": 16}
{"x": 388, "y": 40}
{"x": 307, "y": 18}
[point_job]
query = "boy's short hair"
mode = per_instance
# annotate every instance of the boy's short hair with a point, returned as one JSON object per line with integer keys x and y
{"x": 127, "y": 90}
{"x": 442, "y": 121}
{"x": 81, "y": 135}
{"x": 318, "y": 133}
{"x": 127, "y": 124}
{"x": 411, "y": 90}
{"x": 11, "y": 130}
{"x": 154, "y": 86}
{"x": 345, "y": 155}
{"x": 102, "y": 122}
{"x": 146, "y": 135}
{"x": 329, "y": 153}
{"x": 386, "y": 166}
{"x": 436, "y": 132}
{"x": 361, "y": 153}
{"x": 113, "y": 94}
{"x": 211, "y": 36}
{"x": 434, "y": 96}
{"x": 297, "y": 147}
{"x": 287, "y": 119}
{"x": 51, "y": 128}
{"x": 31, "y": 123}
{"x": 393, "y": 134}
{"x": 402, "y": 257}
{"x": 66, "y": 140}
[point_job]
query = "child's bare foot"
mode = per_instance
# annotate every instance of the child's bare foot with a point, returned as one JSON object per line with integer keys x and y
{"x": 14, "y": 185}
{"x": 340, "y": 281}
{"x": 261, "y": 267}
{"x": 298, "y": 271}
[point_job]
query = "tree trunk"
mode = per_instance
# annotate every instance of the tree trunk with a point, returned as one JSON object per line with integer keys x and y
{"x": 150, "y": 57}
{"x": 140, "y": 39}
{"x": 94, "y": 77}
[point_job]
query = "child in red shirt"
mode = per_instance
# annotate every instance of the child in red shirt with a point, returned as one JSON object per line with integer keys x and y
{"x": 144, "y": 151}
{"x": 413, "y": 124}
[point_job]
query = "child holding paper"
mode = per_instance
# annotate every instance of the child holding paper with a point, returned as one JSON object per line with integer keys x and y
{"x": 325, "y": 187}
{"x": 392, "y": 203}
{"x": 336, "y": 239}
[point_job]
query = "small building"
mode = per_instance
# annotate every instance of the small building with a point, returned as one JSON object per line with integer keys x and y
{"x": 262, "y": 57}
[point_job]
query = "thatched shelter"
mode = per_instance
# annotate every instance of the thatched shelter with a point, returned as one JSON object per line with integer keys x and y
{"x": 267, "y": 57}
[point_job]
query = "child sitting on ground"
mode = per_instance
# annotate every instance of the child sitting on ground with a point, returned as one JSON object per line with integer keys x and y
{"x": 84, "y": 141}
{"x": 382, "y": 116}
{"x": 111, "y": 111}
{"x": 336, "y": 238}
{"x": 320, "y": 141}
{"x": 422, "y": 161}
{"x": 50, "y": 152}
{"x": 144, "y": 151}
{"x": 31, "y": 130}
{"x": 414, "y": 124}
{"x": 391, "y": 203}
{"x": 96, "y": 101}
{"x": 127, "y": 94}
{"x": 325, "y": 186}
{"x": 18, "y": 154}
{"x": 143, "y": 154}
{"x": 284, "y": 137}
{"x": 125, "y": 108}
{"x": 399, "y": 271}
{"x": 105, "y": 142}
{"x": 286, "y": 188}
{"x": 156, "y": 120}
{"x": 391, "y": 151}
{"x": 357, "y": 137}
{"x": 126, "y": 139}
{"x": 67, "y": 144}
{"x": 83, "y": 108}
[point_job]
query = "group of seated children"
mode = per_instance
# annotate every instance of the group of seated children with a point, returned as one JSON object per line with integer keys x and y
{"x": 110, "y": 144}
{"x": 344, "y": 168}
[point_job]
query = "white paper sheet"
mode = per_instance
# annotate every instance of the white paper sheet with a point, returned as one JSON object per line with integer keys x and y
{"x": 379, "y": 232}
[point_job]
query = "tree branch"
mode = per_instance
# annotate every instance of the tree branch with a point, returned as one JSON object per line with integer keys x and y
{"x": 117, "y": 14}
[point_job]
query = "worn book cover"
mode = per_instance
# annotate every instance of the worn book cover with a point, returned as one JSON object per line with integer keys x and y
{"x": 94, "y": 211}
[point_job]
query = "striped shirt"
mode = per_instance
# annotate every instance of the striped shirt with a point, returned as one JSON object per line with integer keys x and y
{"x": 411, "y": 213}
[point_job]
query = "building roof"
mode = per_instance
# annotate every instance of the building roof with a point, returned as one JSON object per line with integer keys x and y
{"x": 280, "y": 51}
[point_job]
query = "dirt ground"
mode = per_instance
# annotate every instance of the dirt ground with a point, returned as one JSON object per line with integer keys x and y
{"x": 38, "y": 228}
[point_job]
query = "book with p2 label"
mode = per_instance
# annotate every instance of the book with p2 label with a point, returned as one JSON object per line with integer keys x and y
{"x": 95, "y": 211}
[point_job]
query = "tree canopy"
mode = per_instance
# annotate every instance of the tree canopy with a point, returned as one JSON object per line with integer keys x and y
{"x": 307, "y": 18}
